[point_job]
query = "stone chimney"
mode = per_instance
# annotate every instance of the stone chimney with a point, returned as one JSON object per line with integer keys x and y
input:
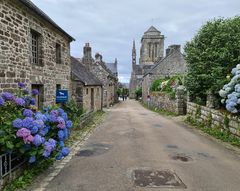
{"x": 87, "y": 56}
{"x": 98, "y": 57}
{"x": 173, "y": 48}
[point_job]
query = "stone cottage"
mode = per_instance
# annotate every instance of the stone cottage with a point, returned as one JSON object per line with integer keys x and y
{"x": 86, "y": 88}
{"x": 99, "y": 68}
{"x": 33, "y": 49}
{"x": 172, "y": 64}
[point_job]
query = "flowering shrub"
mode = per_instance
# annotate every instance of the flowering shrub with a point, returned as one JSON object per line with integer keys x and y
{"x": 167, "y": 85}
{"x": 231, "y": 92}
{"x": 33, "y": 133}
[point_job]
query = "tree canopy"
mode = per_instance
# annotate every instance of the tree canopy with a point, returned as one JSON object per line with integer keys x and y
{"x": 211, "y": 55}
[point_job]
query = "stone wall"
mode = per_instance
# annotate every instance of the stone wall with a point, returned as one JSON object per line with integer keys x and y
{"x": 163, "y": 101}
{"x": 16, "y": 23}
{"x": 214, "y": 118}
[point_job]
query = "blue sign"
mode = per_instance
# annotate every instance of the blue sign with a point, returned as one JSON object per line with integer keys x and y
{"x": 61, "y": 96}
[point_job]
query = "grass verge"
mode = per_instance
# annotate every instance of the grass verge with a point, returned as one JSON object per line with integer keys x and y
{"x": 216, "y": 132}
{"x": 31, "y": 172}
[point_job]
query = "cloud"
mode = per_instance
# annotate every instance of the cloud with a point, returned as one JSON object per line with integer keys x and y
{"x": 111, "y": 25}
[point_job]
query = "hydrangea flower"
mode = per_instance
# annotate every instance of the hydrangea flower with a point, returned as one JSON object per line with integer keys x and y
{"x": 32, "y": 159}
{"x": 17, "y": 123}
{"x": 20, "y": 101}
{"x": 54, "y": 112}
{"x": 60, "y": 110}
{"x": 28, "y": 122}
{"x": 61, "y": 143}
{"x": 35, "y": 92}
{"x": 26, "y": 92}
{"x": 38, "y": 140}
{"x": 61, "y": 135}
{"x": 66, "y": 133}
{"x": 231, "y": 91}
{"x": 69, "y": 124}
{"x": 44, "y": 131}
{"x": 49, "y": 147}
{"x": 33, "y": 101}
{"x": 8, "y": 96}
{"x": 2, "y": 102}
{"x": 21, "y": 85}
{"x": 28, "y": 139}
{"x": 65, "y": 151}
{"x": 34, "y": 130}
{"x": 40, "y": 116}
{"x": 59, "y": 156}
{"x": 38, "y": 123}
{"x": 23, "y": 132}
{"x": 61, "y": 123}
{"x": 64, "y": 116}
{"x": 27, "y": 112}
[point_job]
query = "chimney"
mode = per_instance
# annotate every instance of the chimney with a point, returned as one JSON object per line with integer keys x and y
{"x": 87, "y": 51}
{"x": 98, "y": 57}
{"x": 173, "y": 48}
{"x": 87, "y": 56}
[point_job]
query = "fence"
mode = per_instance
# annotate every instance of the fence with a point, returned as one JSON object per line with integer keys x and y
{"x": 9, "y": 162}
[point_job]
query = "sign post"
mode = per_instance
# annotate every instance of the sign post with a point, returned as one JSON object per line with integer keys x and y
{"x": 61, "y": 96}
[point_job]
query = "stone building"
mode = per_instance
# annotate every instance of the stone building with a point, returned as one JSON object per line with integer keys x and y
{"x": 33, "y": 49}
{"x": 108, "y": 78}
{"x": 152, "y": 48}
{"x": 86, "y": 88}
{"x": 173, "y": 64}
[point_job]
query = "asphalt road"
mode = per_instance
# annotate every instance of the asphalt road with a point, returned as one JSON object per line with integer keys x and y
{"x": 134, "y": 140}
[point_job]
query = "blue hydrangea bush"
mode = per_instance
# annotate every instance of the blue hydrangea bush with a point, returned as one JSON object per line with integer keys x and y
{"x": 230, "y": 92}
{"x": 33, "y": 133}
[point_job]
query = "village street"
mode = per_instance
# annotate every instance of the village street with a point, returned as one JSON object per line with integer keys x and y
{"x": 134, "y": 138}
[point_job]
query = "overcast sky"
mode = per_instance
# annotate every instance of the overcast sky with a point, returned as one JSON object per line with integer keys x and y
{"x": 111, "y": 25}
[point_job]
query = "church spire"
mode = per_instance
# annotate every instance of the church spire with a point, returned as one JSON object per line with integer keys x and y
{"x": 133, "y": 54}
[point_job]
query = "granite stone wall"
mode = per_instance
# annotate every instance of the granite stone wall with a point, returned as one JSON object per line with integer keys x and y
{"x": 214, "y": 118}
{"x": 16, "y": 24}
{"x": 163, "y": 101}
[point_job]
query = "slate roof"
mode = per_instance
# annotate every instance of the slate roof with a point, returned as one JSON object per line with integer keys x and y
{"x": 112, "y": 67}
{"x": 82, "y": 74}
{"x": 103, "y": 64}
{"x": 150, "y": 71}
{"x": 44, "y": 16}
{"x": 141, "y": 69}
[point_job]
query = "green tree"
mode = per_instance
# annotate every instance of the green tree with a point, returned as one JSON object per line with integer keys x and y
{"x": 211, "y": 55}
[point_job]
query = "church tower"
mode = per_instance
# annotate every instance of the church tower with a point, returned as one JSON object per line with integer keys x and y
{"x": 152, "y": 47}
{"x": 134, "y": 55}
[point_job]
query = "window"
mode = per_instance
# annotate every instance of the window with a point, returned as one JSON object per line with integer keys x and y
{"x": 87, "y": 91}
{"x": 58, "y": 86}
{"x": 58, "y": 53}
{"x": 35, "y": 47}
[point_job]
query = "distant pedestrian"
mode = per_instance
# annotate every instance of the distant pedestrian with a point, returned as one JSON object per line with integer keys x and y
{"x": 123, "y": 97}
